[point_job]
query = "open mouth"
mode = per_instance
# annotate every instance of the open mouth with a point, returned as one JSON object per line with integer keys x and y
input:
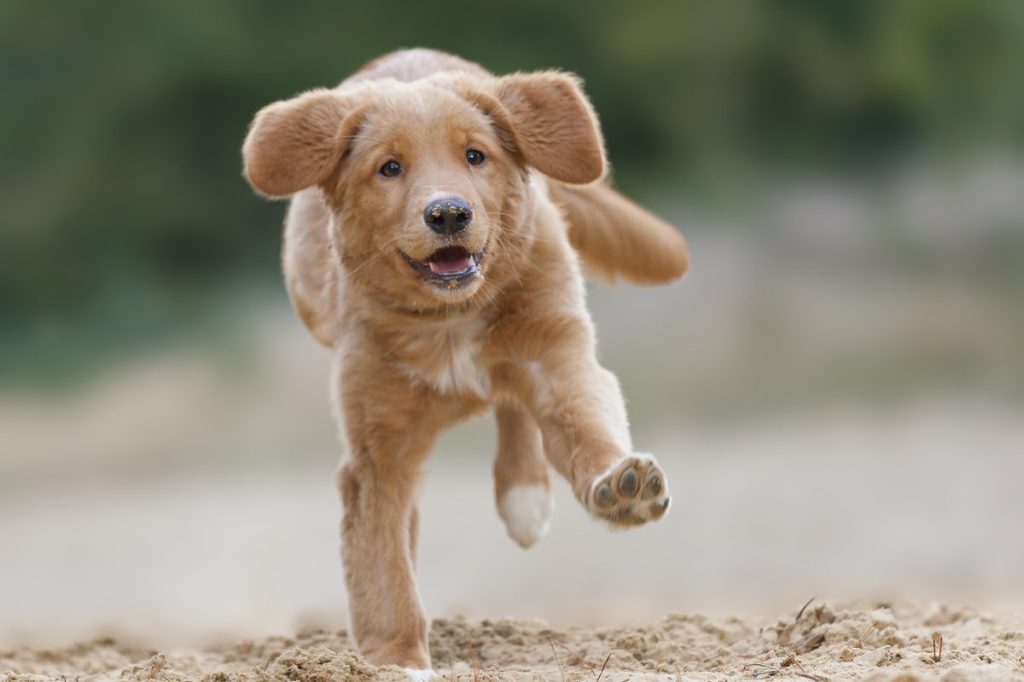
{"x": 450, "y": 265}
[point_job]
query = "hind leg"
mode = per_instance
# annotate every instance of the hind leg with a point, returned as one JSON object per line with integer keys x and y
{"x": 521, "y": 486}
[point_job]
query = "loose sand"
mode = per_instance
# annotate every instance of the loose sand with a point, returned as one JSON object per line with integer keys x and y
{"x": 903, "y": 642}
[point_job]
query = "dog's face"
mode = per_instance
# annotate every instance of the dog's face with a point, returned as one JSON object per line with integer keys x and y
{"x": 425, "y": 193}
{"x": 427, "y": 181}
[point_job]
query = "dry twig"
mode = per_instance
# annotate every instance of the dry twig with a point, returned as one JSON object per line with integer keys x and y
{"x": 604, "y": 665}
{"x": 554, "y": 653}
{"x": 768, "y": 670}
{"x": 803, "y": 608}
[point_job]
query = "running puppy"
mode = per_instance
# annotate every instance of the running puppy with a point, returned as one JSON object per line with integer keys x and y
{"x": 433, "y": 241}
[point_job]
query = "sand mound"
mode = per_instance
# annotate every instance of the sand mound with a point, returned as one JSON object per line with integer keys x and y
{"x": 878, "y": 642}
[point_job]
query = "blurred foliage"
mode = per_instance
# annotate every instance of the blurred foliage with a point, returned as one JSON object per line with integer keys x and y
{"x": 120, "y": 122}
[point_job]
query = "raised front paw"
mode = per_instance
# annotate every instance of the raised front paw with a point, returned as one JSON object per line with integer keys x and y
{"x": 631, "y": 493}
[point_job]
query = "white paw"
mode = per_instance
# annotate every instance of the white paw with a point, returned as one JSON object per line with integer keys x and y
{"x": 526, "y": 510}
{"x": 421, "y": 674}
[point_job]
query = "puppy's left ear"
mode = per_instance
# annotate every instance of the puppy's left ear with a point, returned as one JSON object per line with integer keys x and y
{"x": 552, "y": 125}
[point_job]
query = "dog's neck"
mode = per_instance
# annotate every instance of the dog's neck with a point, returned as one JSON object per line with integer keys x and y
{"x": 379, "y": 306}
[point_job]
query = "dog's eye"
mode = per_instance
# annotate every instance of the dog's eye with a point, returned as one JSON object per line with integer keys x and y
{"x": 390, "y": 169}
{"x": 475, "y": 157}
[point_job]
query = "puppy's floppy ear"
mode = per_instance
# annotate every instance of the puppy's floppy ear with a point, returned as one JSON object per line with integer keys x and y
{"x": 297, "y": 143}
{"x": 553, "y": 125}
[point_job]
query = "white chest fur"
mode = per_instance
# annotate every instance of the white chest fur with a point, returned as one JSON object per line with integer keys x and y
{"x": 446, "y": 355}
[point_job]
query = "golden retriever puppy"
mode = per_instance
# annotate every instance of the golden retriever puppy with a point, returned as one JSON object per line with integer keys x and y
{"x": 438, "y": 218}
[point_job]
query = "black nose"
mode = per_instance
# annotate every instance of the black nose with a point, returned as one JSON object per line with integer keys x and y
{"x": 447, "y": 216}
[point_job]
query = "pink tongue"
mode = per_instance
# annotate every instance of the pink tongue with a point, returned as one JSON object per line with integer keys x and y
{"x": 449, "y": 265}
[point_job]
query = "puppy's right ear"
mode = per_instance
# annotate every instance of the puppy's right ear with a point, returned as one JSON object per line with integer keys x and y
{"x": 297, "y": 143}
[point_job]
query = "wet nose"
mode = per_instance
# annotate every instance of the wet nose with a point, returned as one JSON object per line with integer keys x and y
{"x": 447, "y": 216}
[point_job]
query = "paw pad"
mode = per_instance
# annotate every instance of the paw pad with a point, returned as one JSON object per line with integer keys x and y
{"x": 631, "y": 493}
{"x": 629, "y": 484}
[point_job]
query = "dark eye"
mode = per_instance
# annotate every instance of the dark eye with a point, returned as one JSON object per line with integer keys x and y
{"x": 475, "y": 157}
{"x": 390, "y": 169}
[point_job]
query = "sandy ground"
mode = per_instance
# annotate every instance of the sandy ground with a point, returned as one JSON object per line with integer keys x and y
{"x": 178, "y": 565}
{"x": 902, "y": 642}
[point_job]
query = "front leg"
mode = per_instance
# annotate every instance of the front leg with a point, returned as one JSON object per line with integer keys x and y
{"x": 582, "y": 416}
{"x": 389, "y": 432}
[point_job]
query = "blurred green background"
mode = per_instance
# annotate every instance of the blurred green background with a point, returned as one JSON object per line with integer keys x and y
{"x": 840, "y": 376}
{"x": 120, "y": 124}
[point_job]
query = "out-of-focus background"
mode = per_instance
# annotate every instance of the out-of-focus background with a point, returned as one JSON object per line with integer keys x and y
{"x": 835, "y": 390}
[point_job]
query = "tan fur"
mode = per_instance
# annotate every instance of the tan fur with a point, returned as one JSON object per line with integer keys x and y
{"x": 615, "y": 237}
{"x": 552, "y": 125}
{"x": 413, "y": 356}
